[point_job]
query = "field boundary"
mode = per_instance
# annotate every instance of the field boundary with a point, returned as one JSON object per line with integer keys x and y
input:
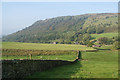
{"x": 26, "y": 67}
{"x": 23, "y": 68}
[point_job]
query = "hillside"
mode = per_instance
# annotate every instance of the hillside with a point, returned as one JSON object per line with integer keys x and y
{"x": 66, "y": 29}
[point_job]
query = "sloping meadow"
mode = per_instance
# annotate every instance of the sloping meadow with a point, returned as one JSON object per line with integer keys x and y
{"x": 16, "y": 50}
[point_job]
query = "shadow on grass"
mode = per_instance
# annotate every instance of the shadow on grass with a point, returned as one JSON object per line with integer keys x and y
{"x": 65, "y": 71}
{"x": 101, "y": 49}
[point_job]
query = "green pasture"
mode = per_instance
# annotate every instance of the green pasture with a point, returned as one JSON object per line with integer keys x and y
{"x": 109, "y": 35}
{"x": 40, "y": 46}
{"x": 101, "y": 64}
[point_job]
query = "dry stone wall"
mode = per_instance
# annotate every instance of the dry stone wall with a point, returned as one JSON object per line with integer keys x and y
{"x": 23, "y": 68}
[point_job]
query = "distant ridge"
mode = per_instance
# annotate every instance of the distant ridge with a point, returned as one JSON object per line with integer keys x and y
{"x": 66, "y": 27}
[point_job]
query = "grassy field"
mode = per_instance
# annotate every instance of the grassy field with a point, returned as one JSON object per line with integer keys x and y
{"x": 39, "y": 46}
{"x": 44, "y": 57}
{"x": 101, "y": 64}
{"x": 109, "y": 35}
{"x": 16, "y": 50}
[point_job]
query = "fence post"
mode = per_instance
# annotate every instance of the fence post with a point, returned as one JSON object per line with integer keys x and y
{"x": 30, "y": 55}
{"x": 79, "y": 55}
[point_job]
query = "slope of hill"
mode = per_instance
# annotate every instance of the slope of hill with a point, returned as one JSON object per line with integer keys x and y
{"x": 66, "y": 28}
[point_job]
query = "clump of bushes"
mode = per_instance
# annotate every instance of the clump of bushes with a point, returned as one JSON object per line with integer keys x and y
{"x": 116, "y": 45}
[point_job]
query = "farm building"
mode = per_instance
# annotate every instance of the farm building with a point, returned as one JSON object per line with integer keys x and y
{"x": 96, "y": 45}
{"x": 54, "y": 42}
{"x": 76, "y": 43}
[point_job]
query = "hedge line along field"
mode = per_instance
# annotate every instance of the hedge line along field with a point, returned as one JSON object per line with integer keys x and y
{"x": 22, "y": 52}
{"x": 101, "y": 64}
{"x": 39, "y": 54}
{"x": 40, "y": 46}
{"x": 43, "y": 57}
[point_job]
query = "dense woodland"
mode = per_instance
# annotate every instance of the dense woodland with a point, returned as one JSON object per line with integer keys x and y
{"x": 69, "y": 30}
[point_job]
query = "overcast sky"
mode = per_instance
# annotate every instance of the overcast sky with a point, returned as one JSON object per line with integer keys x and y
{"x": 18, "y": 15}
